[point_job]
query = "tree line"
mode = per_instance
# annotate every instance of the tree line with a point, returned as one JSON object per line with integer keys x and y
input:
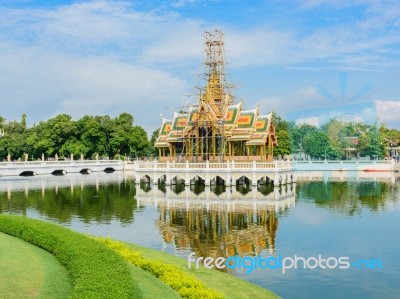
{"x": 336, "y": 139}
{"x": 103, "y": 136}
{"x": 89, "y": 136}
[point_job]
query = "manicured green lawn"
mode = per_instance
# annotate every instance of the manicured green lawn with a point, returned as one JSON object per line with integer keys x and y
{"x": 95, "y": 271}
{"x": 231, "y": 286}
{"x": 27, "y": 271}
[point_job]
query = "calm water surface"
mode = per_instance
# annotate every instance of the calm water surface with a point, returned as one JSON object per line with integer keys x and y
{"x": 358, "y": 219}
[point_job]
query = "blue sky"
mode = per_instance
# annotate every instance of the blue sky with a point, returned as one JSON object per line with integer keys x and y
{"x": 307, "y": 60}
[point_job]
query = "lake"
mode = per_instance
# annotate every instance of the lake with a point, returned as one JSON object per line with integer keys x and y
{"x": 356, "y": 219}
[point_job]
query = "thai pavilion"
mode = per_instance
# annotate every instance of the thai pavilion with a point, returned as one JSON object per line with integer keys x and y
{"x": 216, "y": 129}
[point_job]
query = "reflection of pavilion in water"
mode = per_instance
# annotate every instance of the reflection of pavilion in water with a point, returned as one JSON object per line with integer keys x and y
{"x": 256, "y": 194}
{"x": 219, "y": 223}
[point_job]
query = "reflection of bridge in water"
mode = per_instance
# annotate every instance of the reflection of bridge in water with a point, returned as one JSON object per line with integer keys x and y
{"x": 218, "y": 222}
{"x": 45, "y": 182}
{"x": 347, "y": 175}
{"x": 100, "y": 197}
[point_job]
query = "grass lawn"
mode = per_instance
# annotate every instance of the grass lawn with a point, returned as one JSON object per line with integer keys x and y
{"x": 150, "y": 286}
{"x": 28, "y": 271}
{"x": 95, "y": 271}
{"x": 231, "y": 286}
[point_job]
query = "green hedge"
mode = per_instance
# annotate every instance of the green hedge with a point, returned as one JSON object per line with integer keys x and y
{"x": 95, "y": 270}
{"x": 187, "y": 285}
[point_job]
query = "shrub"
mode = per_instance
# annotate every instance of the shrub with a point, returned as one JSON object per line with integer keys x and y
{"x": 95, "y": 270}
{"x": 184, "y": 283}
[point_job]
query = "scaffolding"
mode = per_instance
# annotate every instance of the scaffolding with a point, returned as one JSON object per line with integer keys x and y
{"x": 206, "y": 132}
{"x": 205, "y": 138}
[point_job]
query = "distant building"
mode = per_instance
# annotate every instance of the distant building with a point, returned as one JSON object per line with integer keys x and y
{"x": 351, "y": 149}
{"x": 392, "y": 151}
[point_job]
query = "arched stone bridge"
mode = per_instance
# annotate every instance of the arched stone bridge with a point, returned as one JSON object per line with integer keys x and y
{"x": 58, "y": 167}
{"x": 227, "y": 173}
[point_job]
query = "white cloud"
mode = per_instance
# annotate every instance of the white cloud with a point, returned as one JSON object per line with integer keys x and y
{"x": 258, "y": 46}
{"x": 86, "y": 58}
{"x": 176, "y": 47}
{"x": 306, "y": 98}
{"x": 99, "y": 27}
{"x": 388, "y": 112}
{"x": 51, "y": 83}
{"x": 166, "y": 37}
{"x": 368, "y": 115}
{"x": 314, "y": 121}
{"x": 306, "y": 105}
{"x": 102, "y": 57}
{"x": 338, "y": 4}
{"x": 182, "y": 3}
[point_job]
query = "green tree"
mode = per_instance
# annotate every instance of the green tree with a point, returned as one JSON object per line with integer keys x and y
{"x": 389, "y": 137}
{"x": 91, "y": 135}
{"x": 2, "y": 121}
{"x": 282, "y": 133}
{"x": 14, "y": 141}
{"x": 106, "y": 128}
{"x": 88, "y": 136}
{"x": 297, "y": 134}
{"x": 120, "y": 137}
{"x": 316, "y": 145}
{"x": 336, "y": 132}
{"x": 141, "y": 145}
{"x": 75, "y": 147}
{"x": 23, "y": 121}
{"x": 153, "y": 139}
{"x": 374, "y": 144}
{"x": 49, "y": 137}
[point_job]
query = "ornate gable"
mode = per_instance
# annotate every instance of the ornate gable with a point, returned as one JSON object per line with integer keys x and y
{"x": 163, "y": 134}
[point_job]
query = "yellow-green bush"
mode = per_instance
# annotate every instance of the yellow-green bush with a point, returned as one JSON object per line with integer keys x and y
{"x": 185, "y": 284}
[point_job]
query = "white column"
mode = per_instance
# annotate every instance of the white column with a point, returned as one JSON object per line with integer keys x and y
{"x": 207, "y": 179}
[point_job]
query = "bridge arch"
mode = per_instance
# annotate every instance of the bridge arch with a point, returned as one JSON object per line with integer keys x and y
{"x": 86, "y": 171}
{"x": 243, "y": 180}
{"x": 217, "y": 180}
{"x": 162, "y": 179}
{"x": 265, "y": 189}
{"x": 59, "y": 172}
{"x": 27, "y": 173}
{"x": 145, "y": 179}
{"x": 177, "y": 180}
{"x": 197, "y": 180}
{"x": 265, "y": 180}
{"x": 197, "y": 188}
